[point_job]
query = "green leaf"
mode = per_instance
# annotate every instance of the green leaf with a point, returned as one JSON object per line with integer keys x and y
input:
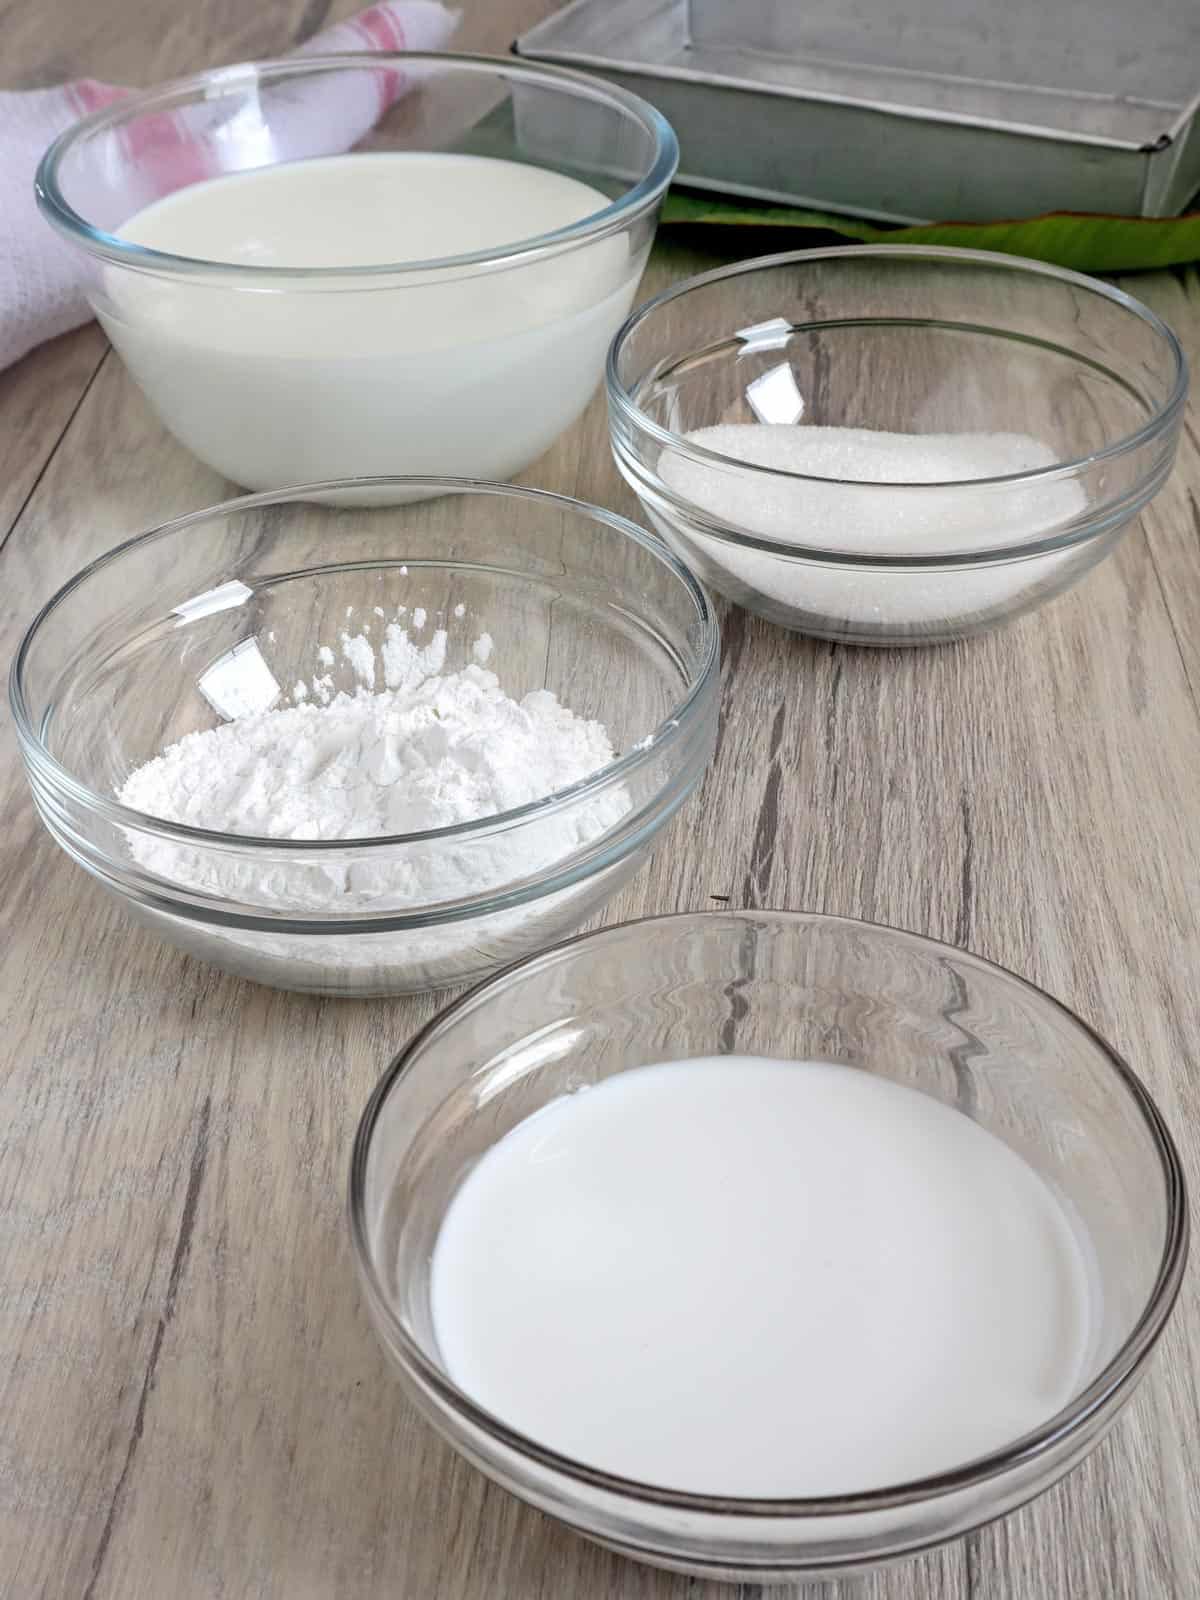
{"x": 1087, "y": 242}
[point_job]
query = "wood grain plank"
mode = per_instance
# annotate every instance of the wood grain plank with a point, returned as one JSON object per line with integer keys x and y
{"x": 1172, "y": 522}
{"x": 38, "y": 398}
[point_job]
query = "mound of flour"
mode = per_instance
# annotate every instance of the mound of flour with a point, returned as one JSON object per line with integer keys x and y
{"x": 430, "y": 750}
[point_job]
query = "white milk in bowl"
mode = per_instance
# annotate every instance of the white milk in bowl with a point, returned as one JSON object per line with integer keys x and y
{"x": 747, "y": 1277}
{"x": 467, "y": 371}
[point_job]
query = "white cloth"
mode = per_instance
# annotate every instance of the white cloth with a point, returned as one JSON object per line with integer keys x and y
{"x": 41, "y": 276}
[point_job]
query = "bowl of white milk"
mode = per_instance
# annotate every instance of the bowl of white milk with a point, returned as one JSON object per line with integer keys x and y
{"x": 385, "y": 263}
{"x": 766, "y": 1244}
{"x": 892, "y": 445}
{"x": 363, "y": 749}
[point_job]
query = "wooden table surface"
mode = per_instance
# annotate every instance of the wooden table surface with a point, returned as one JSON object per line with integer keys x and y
{"x": 192, "y": 1401}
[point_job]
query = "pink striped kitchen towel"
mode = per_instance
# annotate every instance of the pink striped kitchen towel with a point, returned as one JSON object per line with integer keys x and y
{"x": 41, "y": 291}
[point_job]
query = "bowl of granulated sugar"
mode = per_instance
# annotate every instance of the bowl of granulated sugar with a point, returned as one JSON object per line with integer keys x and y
{"x": 353, "y": 750}
{"x": 894, "y": 445}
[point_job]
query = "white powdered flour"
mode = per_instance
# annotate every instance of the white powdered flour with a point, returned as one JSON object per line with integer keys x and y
{"x": 400, "y": 761}
{"x": 430, "y": 750}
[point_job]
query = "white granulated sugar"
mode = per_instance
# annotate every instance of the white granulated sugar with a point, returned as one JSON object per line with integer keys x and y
{"x": 431, "y": 750}
{"x": 482, "y": 649}
{"x": 842, "y": 515}
{"x": 419, "y": 618}
{"x": 853, "y": 516}
{"x": 460, "y": 610}
{"x": 325, "y": 656}
{"x": 300, "y": 691}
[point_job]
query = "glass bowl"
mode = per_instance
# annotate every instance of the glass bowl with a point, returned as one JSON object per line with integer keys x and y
{"x": 792, "y": 986}
{"x": 1080, "y": 388}
{"x": 229, "y": 609}
{"x": 468, "y": 365}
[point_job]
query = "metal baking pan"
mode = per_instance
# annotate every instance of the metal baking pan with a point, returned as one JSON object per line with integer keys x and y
{"x": 963, "y": 110}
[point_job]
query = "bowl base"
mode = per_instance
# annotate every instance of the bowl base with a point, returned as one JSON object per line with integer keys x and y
{"x": 764, "y": 1576}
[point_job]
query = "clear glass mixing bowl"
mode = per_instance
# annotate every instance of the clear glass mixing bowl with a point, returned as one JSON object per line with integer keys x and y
{"x": 792, "y": 986}
{"x": 898, "y": 340}
{"x": 468, "y": 365}
{"x": 228, "y": 609}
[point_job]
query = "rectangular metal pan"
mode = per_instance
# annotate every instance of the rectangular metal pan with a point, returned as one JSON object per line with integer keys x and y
{"x": 940, "y": 113}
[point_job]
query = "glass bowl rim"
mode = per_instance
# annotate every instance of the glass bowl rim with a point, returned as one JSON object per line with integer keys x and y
{"x": 1067, "y": 1423}
{"x": 670, "y": 730}
{"x": 1158, "y": 423}
{"x": 598, "y": 224}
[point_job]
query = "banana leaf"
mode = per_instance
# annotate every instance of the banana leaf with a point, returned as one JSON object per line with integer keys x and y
{"x": 1085, "y": 241}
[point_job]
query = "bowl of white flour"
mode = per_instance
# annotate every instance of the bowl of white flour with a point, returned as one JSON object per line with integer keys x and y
{"x": 355, "y": 750}
{"x": 894, "y": 446}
